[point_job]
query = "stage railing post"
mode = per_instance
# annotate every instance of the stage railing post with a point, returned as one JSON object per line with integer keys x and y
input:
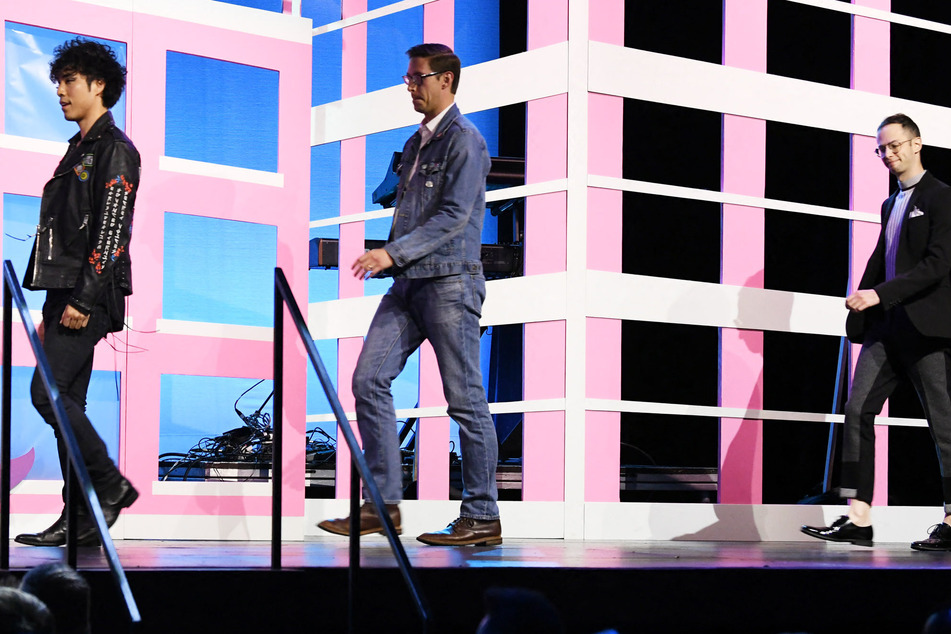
{"x": 77, "y": 468}
{"x": 359, "y": 465}
{"x": 5, "y": 434}
{"x": 277, "y": 437}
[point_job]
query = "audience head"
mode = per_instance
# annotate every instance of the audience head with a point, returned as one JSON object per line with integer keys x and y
{"x": 65, "y": 593}
{"x": 23, "y": 613}
{"x": 519, "y": 610}
{"x": 939, "y": 622}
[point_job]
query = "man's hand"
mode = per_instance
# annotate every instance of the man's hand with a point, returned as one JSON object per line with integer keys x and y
{"x": 41, "y": 331}
{"x": 73, "y": 319}
{"x": 371, "y": 263}
{"x": 861, "y": 300}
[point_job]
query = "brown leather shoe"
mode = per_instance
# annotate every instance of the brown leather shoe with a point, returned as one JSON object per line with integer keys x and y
{"x": 465, "y": 531}
{"x": 369, "y": 521}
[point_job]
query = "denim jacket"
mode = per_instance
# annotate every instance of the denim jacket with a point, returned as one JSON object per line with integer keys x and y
{"x": 437, "y": 225}
{"x": 82, "y": 238}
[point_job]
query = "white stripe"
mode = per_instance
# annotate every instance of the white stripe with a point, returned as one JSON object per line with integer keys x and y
{"x": 644, "y": 187}
{"x": 215, "y": 170}
{"x": 389, "y": 9}
{"x": 504, "y": 193}
{"x": 877, "y": 14}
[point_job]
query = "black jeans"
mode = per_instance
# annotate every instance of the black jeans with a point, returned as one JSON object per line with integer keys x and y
{"x": 70, "y": 354}
{"x": 892, "y": 350}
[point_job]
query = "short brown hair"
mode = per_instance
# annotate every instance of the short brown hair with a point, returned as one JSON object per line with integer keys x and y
{"x": 904, "y": 121}
{"x": 441, "y": 59}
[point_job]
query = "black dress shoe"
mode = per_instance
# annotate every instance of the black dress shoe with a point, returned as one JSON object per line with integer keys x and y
{"x": 115, "y": 498}
{"x": 842, "y": 530}
{"x": 369, "y": 521}
{"x": 465, "y": 531}
{"x": 55, "y": 535}
{"x": 938, "y": 539}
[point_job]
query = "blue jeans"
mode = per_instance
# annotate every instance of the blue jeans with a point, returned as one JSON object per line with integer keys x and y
{"x": 446, "y": 311}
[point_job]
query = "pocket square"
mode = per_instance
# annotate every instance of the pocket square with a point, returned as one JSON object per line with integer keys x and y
{"x": 915, "y": 213}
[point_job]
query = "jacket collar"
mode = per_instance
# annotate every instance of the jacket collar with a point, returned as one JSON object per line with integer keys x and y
{"x": 96, "y": 131}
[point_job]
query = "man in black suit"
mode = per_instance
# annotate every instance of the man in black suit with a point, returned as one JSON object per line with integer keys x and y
{"x": 901, "y": 315}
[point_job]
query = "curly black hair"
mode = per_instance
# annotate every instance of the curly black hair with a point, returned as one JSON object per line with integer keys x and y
{"x": 94, "y": 61}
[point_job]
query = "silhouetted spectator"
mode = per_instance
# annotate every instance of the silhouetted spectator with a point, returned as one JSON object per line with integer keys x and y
{"x": 939, "y": 622}
{"x": 65, "y": 593}
{"x": 519, "y": 611}
{"x": 23, "y": 613}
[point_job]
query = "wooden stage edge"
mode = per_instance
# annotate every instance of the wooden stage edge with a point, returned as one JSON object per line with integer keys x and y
{"x": 628, "y": 586}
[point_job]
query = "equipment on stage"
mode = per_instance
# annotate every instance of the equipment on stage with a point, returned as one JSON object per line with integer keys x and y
{"x": 500, "y": 259}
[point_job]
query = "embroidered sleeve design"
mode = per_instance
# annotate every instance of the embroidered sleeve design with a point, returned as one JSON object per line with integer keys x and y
{"x": 115, "y": 211}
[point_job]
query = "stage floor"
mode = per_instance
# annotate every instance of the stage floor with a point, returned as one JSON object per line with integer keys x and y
{"x": 627, "y": 586}
{"x": 332, "y": 552}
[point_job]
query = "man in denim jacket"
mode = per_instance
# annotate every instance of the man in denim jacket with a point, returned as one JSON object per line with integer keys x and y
{"x": 434, "y": 254}
{"x": 81, "y": 259}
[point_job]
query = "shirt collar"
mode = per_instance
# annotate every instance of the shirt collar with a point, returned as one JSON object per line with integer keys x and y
{"x": 911, "y": 182}
{"x": 426, "y": 129}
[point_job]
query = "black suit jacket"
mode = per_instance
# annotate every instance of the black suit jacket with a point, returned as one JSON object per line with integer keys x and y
{"x": 922, "y": 265}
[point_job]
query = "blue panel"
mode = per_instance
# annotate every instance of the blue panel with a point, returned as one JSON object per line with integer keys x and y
{"x": 477, "y": 31}
{"x": 31, "y": 107}
{"x": 487, "y": 121}
{"x": 218, "y": 271}
{"x": 327, "y": 67}
{"x": 31, "y": 432}
{"x": 324, "y": 285}
{"x": 317, "y": 402}
{"x": 325, "y": 181}
{"x": 20, "y": 215}
{"x": 379, "y": 153}
{"x": 221, "y": 112}
{"x": 196, "y": 407}
{"x": 321, "y": 11}
{"x": 276, "y": 6}
{"x": 388, "y": 39}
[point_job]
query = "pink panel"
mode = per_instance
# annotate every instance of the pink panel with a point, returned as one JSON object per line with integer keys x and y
{"x": 605, "y": 144}
{"x": 546, "y": 159}
{"x": 605, "y": 229}
{"x": 744, "y": 34}
{"x": 347, "y": 352}
{"x": 603, "y": 354}
{"x": 543, "y": 439}
{"x": 602, "y": 450}
{"x": 543, "y": 457}
{"x": 354, "y": 62}
{"x": 433, "y": 438}
{"x": 148, "y": 38}
{"x": 439, "y": 22}
{"x": 606, "y": 21}
{"x": 546, "y": 139}
{"x": 602, "y": 429}
{"x": 546, "y": 222}
{"x": 871, "y": 63}
{"x": 744, "y": 148}
{"x": 547, "y": 22}
{"x": 544, "y": 360}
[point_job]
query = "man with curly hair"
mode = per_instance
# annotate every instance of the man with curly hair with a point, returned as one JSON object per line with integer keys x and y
{"x": 81, "y": 259}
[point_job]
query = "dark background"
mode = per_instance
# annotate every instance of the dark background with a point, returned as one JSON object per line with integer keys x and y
{"x": 804, "y": 253}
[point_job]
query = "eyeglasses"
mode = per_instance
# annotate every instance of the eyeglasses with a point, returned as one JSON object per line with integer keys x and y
{"x": 893, "y": 146}
{"x": 417, "y": 79}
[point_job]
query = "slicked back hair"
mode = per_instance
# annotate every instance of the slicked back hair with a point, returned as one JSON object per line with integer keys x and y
{"x": 441, "y": 59}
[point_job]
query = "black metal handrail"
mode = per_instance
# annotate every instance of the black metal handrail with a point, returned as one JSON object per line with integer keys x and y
{"x": 76, "y": 468}
{"x": 358, "y": 465}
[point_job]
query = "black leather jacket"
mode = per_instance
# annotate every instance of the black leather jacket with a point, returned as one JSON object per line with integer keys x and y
{"x": 82, "y": 239}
